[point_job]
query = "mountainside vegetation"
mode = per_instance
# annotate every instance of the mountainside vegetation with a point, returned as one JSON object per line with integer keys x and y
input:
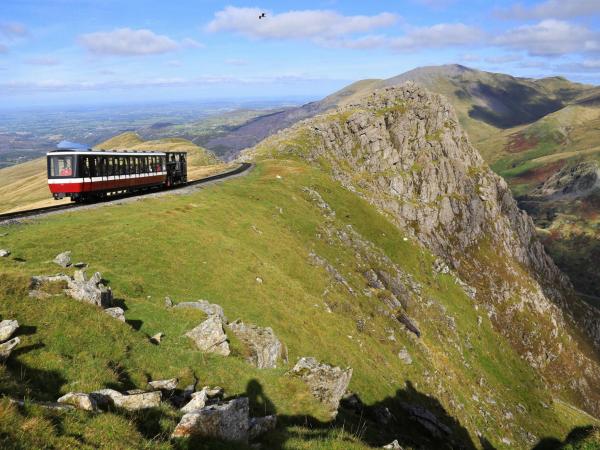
{"x": 373, "y": 237}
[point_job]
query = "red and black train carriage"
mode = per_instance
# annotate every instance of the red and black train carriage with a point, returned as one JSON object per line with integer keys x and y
{"x": 85, "y": 174}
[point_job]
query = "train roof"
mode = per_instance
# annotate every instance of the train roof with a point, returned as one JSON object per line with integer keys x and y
{"x": 105, "y": 153}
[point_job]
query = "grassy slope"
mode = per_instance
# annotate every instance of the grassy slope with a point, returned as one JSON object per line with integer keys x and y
{"x": 212, "y": 245}
{"x": 25, "y": 186}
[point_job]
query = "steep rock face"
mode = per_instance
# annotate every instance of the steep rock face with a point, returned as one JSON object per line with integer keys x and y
{"x": 403, "y": 150}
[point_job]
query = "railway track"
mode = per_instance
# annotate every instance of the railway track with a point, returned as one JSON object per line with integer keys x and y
{"x": 7, "y": 217}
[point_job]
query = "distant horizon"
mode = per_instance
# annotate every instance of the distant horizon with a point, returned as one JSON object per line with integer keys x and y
{"x": 295, "y": 99}
{"x": 64, "y": 52}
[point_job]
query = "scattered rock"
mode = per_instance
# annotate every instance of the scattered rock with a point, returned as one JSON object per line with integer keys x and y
{"x": 116, "y": 312}
{"x": 328, "y": 384}
{"x": 373, "y": 280}
{"x": 63, "y": 259}
{"x": 259, "y": 280}
{"x": 394, "y": 445}
{"x": 427, "y": 419}
{"x": 132, "y": 402}
{"x": 210, "y": 337}
{"x": 216, "y": 392}
{"x": 7, "y": 328}
{"x": 156, "y": 338}
{"x": 168, "y": 302}
{"x": 408, "y": 323}
{"x": 227, "y": 421}
{"x": 261, "y": 425}
{"x": 4, "y": 253}
{"x": 7, "y": 348}
{"x": 332, "y": 271}
{"x": 164, "y": 385}
{"x": 90, "y": 291}
{"x": 197, "y": 402}
{"x": 210, "y": 309}
{"x": 79, "y": 400}
{"x": 265, "y": 348}
{"x": 405, "y": 356}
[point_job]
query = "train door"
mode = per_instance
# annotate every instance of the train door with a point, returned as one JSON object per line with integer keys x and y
{"x": 86, "y": 173}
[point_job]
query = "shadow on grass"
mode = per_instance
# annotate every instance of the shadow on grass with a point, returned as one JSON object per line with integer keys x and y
{"x": 576, "y": 439}
{"x": 24, "y": 381}
{"x": 412, "y": 418}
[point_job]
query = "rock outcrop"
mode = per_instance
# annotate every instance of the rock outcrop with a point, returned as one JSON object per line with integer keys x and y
{"x": 210, "y": 309}
{"x": 402, "y": 150}
{"x": 265, "y": 349}
{"x": 571, "y": 182}
{"x": 79, "y": 288}
{"x": 116, "y": 312}
{"x": 210, "y": 337}
{"x": 4, "y": 253}
{"x": 327, "y": 383}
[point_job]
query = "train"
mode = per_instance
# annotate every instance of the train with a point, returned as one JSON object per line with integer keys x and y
{"x": 84, "y": 174}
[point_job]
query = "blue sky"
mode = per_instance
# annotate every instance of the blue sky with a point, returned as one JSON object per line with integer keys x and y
{"x": 99, "y": 51}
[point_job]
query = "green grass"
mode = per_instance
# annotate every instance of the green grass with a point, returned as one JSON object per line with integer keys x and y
{"x": 212, "y": 245}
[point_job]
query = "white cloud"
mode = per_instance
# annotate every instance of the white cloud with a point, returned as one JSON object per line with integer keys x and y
{"x": 550, "y": 38}
{"x": 191, "y": 43}
{"x": 43, "y": 61}
{"x": 439, "y": 35}
{"x": 306, "y": 24}
{"x": 554, "y": 9}
{"x": 416, "y": 38}
{"x": 13, "y": 30}
{"x": 502, "y": 59}
{"x": 127, "y": 42}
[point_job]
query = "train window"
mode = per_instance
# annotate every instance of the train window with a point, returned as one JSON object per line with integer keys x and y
{"x": 85, "y": 167}
{"x": 102, "y": 171}
{"x": 61, "y": 166}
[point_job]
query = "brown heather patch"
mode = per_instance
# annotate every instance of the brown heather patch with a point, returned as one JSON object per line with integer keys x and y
{"x": 519, "y": 142}
{"x": 539, "y": 174}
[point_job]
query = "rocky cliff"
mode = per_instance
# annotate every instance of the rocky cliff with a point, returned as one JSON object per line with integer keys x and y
{"x": 403, "y": 150}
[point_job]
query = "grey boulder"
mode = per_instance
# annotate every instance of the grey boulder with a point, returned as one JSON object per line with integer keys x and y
{"x": 164, "y": 385}
{"x": 116, "y": 312}
{"x": 197, "y": 402}
{"x": 265, "y": 348}
{"x": 63, "y": 259}
{"x": 90, "y": 290}
{"x": 7, "y": 348}
{"x": 131, "y": 402}
{"x": 210, "y": 337}
{"x": 227, "y": 421}
{"x": 7, "y": 328}
{"x": 79, "y": 400}
{"x": 327, "y": 383}
{"x": 4, "y": 253}
{"x": 261, "y": 425}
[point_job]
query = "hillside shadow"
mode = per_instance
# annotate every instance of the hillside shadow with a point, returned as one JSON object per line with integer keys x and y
{"x": 411, "y": 417}
{"x": 26, "y": 381}
{"x": 575, "y": 438}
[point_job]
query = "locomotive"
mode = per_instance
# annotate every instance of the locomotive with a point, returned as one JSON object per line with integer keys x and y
{"x": 84, "y": 174}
